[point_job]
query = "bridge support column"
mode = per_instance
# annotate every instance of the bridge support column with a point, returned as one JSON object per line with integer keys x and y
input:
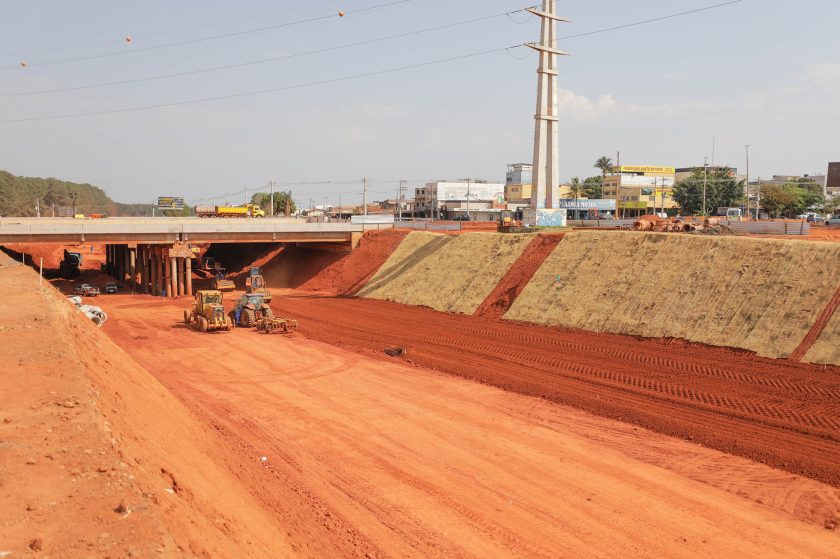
{"x": 144, "y": 268}
{"x": 119, "y": 262}
{"x": 126, "y": 259}
{"x": 188, "y": 276}
{"x": 173, "y": 263}
{"x": 181, "y": 279}
{"x": 161, "y": 273}
{"x": 167, "y": 272}
{"x": 132, "y": 267}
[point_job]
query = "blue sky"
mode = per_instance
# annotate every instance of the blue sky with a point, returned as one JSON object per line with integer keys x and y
{"x": 759, "y": 72}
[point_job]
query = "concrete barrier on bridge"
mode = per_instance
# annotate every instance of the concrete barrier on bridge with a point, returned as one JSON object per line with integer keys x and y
{"x": 172, "y": 230}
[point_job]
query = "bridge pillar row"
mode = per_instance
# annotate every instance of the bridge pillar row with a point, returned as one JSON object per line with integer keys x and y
{"x": 161, "y": 275}
{"x": 118, "y": 263}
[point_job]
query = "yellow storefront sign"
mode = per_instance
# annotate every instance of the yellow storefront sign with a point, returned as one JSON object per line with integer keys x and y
{"x": 647, "y": 169}
{"x": 633, "y": 205}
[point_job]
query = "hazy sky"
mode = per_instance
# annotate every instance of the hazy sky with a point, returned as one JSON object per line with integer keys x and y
{"x": 759, "y": 72}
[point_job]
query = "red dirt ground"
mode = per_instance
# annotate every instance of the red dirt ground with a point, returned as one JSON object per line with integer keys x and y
{"x": 725, "y": 399}
{"x": 508, "y": 289}
{"x": 407, "y": 462}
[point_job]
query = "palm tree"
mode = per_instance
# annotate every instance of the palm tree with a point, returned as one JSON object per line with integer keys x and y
{"x": 575, "y": 184}
{"x": 605, "y": 164}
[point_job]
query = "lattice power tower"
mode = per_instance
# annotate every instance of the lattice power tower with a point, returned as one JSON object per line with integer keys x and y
{"x": 546, "y": 170}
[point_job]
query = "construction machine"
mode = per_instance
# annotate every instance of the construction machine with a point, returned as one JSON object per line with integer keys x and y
{"x": 251, "y": 308}
{"x": 221, "y": 281}
{"x": 208, "y": 312}
{"x": 70, "y": 264}
{"x": 507, "y": 223}
{"x": 255, "y": 284}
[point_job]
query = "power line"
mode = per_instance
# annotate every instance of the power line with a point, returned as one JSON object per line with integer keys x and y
{"x": 643, "y": 22}
{"x": 171, "y": 31}
{"x": 262, "y": 91}
{"x": 204, "y": 39}
{"x": 344, "y": 78}
{"x": 265, "y": 60}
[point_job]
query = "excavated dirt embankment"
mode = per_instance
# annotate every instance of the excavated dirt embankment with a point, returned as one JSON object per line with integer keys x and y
{"x": 450, "y": 273}
{"x": 99, "y": 459}
{"x": 755, "y": 294}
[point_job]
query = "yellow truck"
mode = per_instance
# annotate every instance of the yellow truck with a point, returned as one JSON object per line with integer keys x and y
{"x": 245, "y": 210}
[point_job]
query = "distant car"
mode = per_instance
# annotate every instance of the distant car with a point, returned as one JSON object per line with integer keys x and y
{"x": 86, "y": 290}
{"x": 110, "y": 287}
{"x": 813, "y": 218}
{"x": 834, "y": 220}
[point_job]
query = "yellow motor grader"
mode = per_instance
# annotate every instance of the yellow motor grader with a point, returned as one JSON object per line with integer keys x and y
{"x": 208, "y": 312}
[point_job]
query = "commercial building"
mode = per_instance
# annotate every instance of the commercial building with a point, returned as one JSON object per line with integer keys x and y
{"x": 832, "y": 180}
{"x": 518, "y": 186}
{"x": 474, "y": 200}
{"x": 642, "y": 189}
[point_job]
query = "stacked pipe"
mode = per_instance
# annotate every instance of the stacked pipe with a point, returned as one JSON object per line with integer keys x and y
{"x": 670, "y": 225}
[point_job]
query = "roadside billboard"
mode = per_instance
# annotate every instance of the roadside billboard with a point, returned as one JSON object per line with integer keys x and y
{"x": 656, "y": 169}
{"x": 599, "y": 204}
{"x": 170, "y": 203}
{"x": 477, "y": 191}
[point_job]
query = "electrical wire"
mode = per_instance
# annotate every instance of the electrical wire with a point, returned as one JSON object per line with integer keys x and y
{"x": 264, "y": 60}
{"x": 203, "y": 39}
{"x": 643, "y": 22}
{"x": 344, "y": 78}
{"x": 171, "y": 31}
{"x": 263, "y": 91}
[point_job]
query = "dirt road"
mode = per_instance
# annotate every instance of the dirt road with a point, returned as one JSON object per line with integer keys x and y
{"x": 726, "y": 399}
{"x": 423, "y": 464}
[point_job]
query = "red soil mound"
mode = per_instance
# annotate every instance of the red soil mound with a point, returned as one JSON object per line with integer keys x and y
{"x": 333, "y": 272}
{"x": 500, "y": 299}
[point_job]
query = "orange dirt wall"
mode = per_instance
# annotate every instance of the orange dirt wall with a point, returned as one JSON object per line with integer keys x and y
{"x": 123, "y": 438}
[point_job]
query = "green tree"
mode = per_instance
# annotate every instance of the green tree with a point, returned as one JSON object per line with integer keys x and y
{"x": 791, "y": 198}
{"x": 282, "y": 201}
{"x": 577, "y": 186}
{"x": 593, "y": 187}
{"x": 722, "y": 190}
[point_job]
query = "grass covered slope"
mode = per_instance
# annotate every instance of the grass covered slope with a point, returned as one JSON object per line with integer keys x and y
{"x": 449, "y": 273}
{"x": 755, "y": 294}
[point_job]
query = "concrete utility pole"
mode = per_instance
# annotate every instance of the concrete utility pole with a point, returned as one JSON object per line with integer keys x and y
{"x": 546, "y": 163}
{"x": 705, "y": 178}
{"x": 364, "y": 196}
{"x": 757, "y": 198}
{"x": 468, "y": 199}
{"x": 400, "y": 198}
{"x": 271, "y": 187}
{"x": 747, "y": 149}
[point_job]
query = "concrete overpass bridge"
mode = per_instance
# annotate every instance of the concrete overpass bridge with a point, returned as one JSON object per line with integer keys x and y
{"x": 154, "y": 255}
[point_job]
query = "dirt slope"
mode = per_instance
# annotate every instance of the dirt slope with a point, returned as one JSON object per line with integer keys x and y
{"x": 427, "y": 465}
{"x": 332, "y": 271}
{"x": 86, "y": 431}
{"x": 453, "y": 273}
{"x": 755, "y": 294}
